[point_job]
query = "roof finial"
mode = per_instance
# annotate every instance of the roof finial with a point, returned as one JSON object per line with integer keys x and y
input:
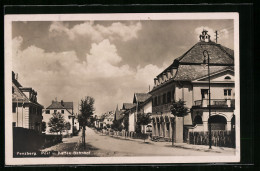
{"x": 204, "y": 37}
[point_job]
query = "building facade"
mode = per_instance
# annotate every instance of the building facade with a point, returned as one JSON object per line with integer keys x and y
{"x": 141, "y": 104}
{"x": 27, "y": 112}
{"x": 187, "y": 78}
{"x": 66, "y": 109}
{"x": 109, "y": 118}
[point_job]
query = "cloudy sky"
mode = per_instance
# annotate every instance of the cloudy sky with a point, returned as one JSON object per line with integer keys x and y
{"x": 109, "y": 60}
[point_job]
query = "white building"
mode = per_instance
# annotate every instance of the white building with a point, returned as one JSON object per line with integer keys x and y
{"x": 141, "y": 104}
{"x": 187, "y": 79}
{"x": 26, "y": 111}
{"x": 66, "y": 109}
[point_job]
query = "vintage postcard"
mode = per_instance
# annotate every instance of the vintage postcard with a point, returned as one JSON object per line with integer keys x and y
{"x": 122, "y": 88}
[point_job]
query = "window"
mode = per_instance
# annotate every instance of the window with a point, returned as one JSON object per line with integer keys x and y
{"x": 164, "y": 98}
{"x": 160, "y": 99}
{"x": 169, "y": 97}
{"x": 12, "y": 90}
{"x": 204, "y": 93}
{"x": 227, "y": 78}
{"x": 227, "y": 93}
{"x": 14, "y": 108}
{"x": 173, "y": 91}
{"x": 55, "y": 111}
{"x": 62, "y": 111}
{"x": 14, "y": 124}
{"x": 47, "y": 112}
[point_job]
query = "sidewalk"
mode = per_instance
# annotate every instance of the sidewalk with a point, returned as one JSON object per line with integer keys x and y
{"x": 204, "y": 148}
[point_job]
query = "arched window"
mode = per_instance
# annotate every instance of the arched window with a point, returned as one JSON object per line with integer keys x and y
{"x": 227, "y": 78}
{"x": 217, "y": 122}
{"x": 197, "y": 120}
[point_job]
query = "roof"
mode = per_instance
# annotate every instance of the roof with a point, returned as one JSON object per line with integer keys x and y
{"x": 192, "y": 72}
{"x": 19, "y": 96}
{"x": 141, "y": 97}
{"x": 58, "y": 105}
{"x": 127, "y": 106}
{"x": 218, "y": 54}
{"x": 119, "y": 114}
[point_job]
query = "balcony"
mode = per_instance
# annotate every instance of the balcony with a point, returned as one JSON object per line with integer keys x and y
{"x": 215, "y": 103}
{"x": 162, "y": 108}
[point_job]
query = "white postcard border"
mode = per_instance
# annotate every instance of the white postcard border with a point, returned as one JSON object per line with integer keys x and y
{"x": 9, "y": 160}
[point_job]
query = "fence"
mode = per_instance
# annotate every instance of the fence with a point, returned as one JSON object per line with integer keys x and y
{"x": 125, "y": 134}
{"x": 219, "y": 138}
{"x": 27, "y": 140}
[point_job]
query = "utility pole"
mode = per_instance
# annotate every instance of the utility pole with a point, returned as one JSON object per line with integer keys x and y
{"x": 216, "y": 35}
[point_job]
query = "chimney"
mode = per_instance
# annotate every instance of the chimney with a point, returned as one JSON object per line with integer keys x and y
{"x": 13, "y": 75}
{"x": 164, "y": 77}
{"x": 169, "y": 74}
{"x": 61, "y": 102}
{"x": 155, "y": 81}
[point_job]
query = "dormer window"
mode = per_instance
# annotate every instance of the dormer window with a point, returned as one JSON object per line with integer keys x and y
{"x": 227, "y": 78}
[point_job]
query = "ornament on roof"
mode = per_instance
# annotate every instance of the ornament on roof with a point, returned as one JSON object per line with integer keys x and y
{"x": 204, "y": 37}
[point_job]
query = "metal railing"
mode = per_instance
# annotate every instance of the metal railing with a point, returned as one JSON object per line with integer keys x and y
{"x": 215, "y": 102}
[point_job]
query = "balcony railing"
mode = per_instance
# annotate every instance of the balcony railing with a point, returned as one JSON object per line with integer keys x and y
{"x": 162, "y": 108}
{"x": 215, "y": 103}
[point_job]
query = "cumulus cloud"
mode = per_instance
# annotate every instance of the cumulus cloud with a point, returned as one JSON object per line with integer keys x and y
{"x": 148, "y": 73}
{"x": 62, "y": 75}
{"x": 98, "y": 32}
{"x": 102, "y": 61}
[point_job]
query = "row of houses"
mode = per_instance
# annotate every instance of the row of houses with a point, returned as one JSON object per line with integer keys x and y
{"x": 104, "y": 120}
{"x": 187, "y": 78}
{"x": 29, "y": 114}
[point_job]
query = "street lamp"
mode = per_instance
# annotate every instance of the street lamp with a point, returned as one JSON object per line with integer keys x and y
{"x": 206, "y": 54}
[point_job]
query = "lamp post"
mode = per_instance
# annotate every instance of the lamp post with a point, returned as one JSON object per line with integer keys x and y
{"x": 206, "y": 54}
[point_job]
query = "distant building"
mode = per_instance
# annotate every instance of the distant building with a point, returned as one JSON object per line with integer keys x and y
{"x": 66, "y": 109}
{"x": 27, "y": 112}
{"x": 141, "y": 104}
{"x": 187, "y": 79}
{"x": 109, "y": 118}
{"x": 119, "y": 114}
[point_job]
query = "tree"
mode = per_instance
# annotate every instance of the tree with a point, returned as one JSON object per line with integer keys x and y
{"x": 43, "y": 126}
{"x": 86, "y": 111}
{"x": 56, "y": 123}
{"x": 142, "y": 120}
{"x": 117, "y": 125}
{"x": 178, "y": 109}
{"x": 126, "y": 122}
{"x": 67, "y": 127}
